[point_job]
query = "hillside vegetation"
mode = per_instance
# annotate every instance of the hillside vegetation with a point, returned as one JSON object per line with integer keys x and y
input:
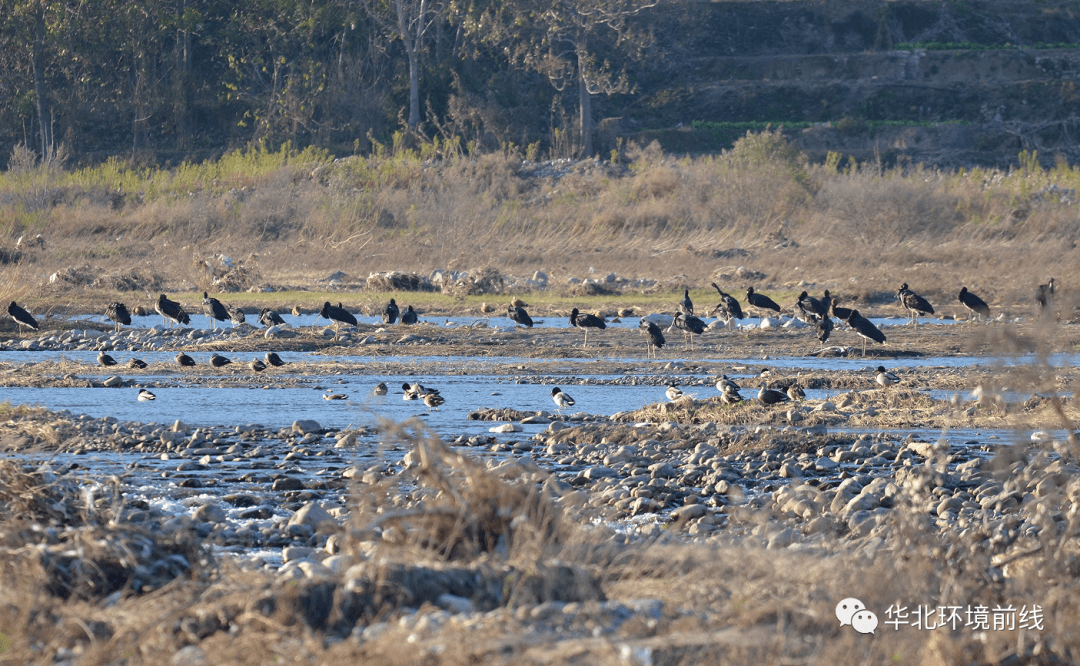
{"x": 958, "y": 83}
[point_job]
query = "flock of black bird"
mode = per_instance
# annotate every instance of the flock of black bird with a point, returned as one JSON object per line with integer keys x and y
{"x": 818, "y": 311}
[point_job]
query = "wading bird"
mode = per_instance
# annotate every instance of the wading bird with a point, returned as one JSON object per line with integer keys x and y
{"x": 686, "y": 306}
{"x": 219, "y": 361}
{"x": 214, "y": 309}
{"x": 728, "y": 307}
{"x": 273, "y": 359}
{"x": 268, "y": 318}
{"x": 811, "y": 308}
{"x": 337, "y": 314}
{"x": 562, "y": 401}
{"x": 760, "y": 301}
{"x": 730, "y": 396}
{"x": 865, "y": 328}
{"x": 915, "y": 304}
{"x": 654, "y": 337}
{"x": 409, "y": 317}
{"x": 586, "y": 322}
{"x": 21, "y": 317}
{"x": 974, "y": 303}
{"x": 518, "y": 315}
{"x": 104, "y": 360}
{"x": 769, "y": 396}
{"x": 725, "y": 383}
{"x": 171, "y": 311}
{"x": 236, "y": 316}
{"x": 184, "y": 360}
{"x": 257, "y": 365}
{"x": 824, "y": 329}
{"x": 689, "y": 325}
{"x": 1044, "y": 294}
{"x": 118, "y": 314}
{"x": 884, "y": 377}
{"x": 836, "y": 311}
{"x": 432, "y": 399}
{"x": 145, "y": 395}
{"x": 391, "y": 312}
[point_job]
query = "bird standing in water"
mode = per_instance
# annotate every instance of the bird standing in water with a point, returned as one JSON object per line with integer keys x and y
{"x": 562, "y": 401}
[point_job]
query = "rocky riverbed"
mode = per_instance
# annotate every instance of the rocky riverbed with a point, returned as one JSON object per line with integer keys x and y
{"x": 681, "y": 532}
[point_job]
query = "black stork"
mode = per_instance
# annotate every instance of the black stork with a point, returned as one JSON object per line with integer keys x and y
{"x": 409, "y": 316}
{"x": 728, "y": 307}
{"x": 21, "y": 317}
{"x": 974, "y": 303}
{"x": 518, "y": 315}
{"x": 118, "y": 314}
{"x": 654, "y": 337}
{"x": 865, "y": 328}
{"x": 686, "y": 306}
{"x": 337, "y": 314}
{"x": 813, "y": 309}
{"x": 586, "y": 322}
{"x": 689, "y": 325}
{"x": 390, "y": 313}
{"x": 915, "y": 304}
{"x": 268, "y": 318}
{"x": 214, "y": 309}
{"x": 236, "y": 316}
{"x": 1044, "y": 294}
{"x": 760, "y": 301}
{"x": 172, "y": 311}
{"x": 824, "y": 329}
{"x": 836, "y": 311}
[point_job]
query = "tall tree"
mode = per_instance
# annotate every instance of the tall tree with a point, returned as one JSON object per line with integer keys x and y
{"x": 573, "y": 43}
{"x": 409, "y": 21}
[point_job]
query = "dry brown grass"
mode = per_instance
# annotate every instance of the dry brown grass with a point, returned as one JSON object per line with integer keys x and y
{"x": 999, "y": 233}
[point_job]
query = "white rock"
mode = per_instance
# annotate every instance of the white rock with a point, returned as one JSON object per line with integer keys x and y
{"x": 315, "y": 515}
{"x": 304, "y": 426}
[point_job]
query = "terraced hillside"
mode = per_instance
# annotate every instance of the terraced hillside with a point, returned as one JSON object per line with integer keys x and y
{"x": 947, "y": 83}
